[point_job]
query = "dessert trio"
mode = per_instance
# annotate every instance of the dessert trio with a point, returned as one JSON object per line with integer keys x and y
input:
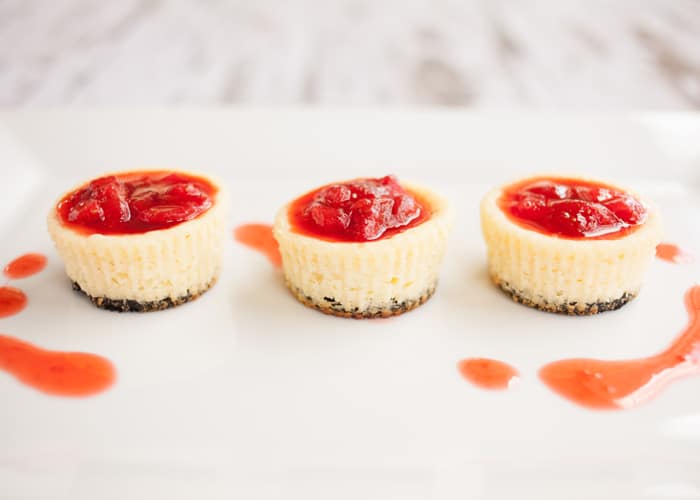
{"x": 362, "y": 248}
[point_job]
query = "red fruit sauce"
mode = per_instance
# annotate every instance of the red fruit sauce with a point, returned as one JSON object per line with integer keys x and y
{"x": 673, "y": 253}
{"x": 136, "y": 202}
{"x": 259, "y": 237}
{"x": 358, "y": 210}
{"x": 609, "y": 385}
{"x": 12, "y": 301}
{"x": 572, "y": 208}
{"x": 488, "y": 373}
{"x": 25, "y": 266}
{"x": 55, "y": 372}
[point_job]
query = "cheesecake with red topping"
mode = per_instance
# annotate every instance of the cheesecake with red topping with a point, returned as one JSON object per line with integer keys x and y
{"x": 141, "y": 240}
{"x": 568, "y": 245}
{"x": 364, "y": 248}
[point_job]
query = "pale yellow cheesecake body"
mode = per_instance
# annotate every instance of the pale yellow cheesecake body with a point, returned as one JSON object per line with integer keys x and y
{"x": 366, "y": 279}
{"x": 573, "y": 276}
{"x": 145, "y": 271}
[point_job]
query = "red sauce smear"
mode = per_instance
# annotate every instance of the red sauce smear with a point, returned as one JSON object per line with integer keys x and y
{"x": 136, "y": 202}
{"x": 25, "y": 266}
{"x": 673, "y": 253}
{"x": 12, "y": 301}
{"x": 622, "y": 384}
{"x": 572, "y": 208}
{"x": 488, "y": 373}
{"x": 259, "y": 237}
{"x": 359, "y": 210}
{"x": 55, "y": 372}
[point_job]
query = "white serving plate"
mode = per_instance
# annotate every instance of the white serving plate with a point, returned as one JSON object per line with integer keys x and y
{"x": 247, "y": 394}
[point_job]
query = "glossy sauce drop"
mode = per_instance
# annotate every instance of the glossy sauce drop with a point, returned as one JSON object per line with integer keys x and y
{"x": 672, "y": 253}
{"x": 259, "y": 237}
{"x": 25, "y": 266}
{"x": 622, "y": 384}
{"x": 54, "y": 372}
{"x": 488, "y": 373}
{"x": 12, "y": 301}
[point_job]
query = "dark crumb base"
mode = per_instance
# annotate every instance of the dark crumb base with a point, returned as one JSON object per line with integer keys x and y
{"x": 127, "y": 305}
{"x": 570, "y": 308}
{"x": 335, "y": 308}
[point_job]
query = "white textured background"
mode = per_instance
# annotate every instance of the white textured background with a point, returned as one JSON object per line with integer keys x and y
{"x": 558, "y": 54}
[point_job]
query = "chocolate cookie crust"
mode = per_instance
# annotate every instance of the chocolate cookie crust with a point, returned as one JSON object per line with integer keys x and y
{"x": 571, "y": 308}
{"x": 127, "y": 305}
{"x": 330, "y": 306}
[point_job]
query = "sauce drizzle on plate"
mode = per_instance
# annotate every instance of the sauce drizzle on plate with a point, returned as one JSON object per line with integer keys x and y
{"x": 12, "y": 301}
{"x": 25, "y": 266}
{"x": 673, "y": 253}
{"x": 57, "y": 373}
{"x": 488, "y": 373}
{"x": 259, "y": 237}
{"x": 618, "y": 384}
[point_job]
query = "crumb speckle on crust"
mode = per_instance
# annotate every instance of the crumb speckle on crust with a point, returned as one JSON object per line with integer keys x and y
{"x": 572, "y": 308}
{"x": 127, "y": 305}
{"x": 331, "y": 306}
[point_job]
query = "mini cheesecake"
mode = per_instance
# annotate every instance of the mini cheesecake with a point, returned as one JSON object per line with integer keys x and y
{"x": 363, "y": 248}
{"x": 568, "y": 245}
{"x": 142, "y": 240}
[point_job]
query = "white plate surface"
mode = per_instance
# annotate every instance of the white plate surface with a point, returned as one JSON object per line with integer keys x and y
{"x": 247, "y": 394}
